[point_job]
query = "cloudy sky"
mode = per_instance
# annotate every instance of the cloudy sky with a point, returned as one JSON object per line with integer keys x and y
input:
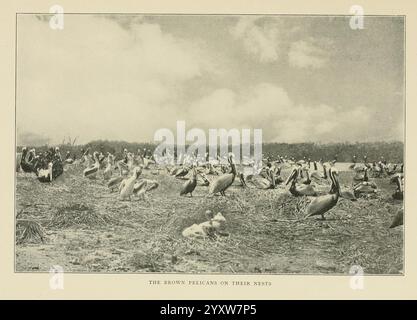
{"x": 296, "y": 78}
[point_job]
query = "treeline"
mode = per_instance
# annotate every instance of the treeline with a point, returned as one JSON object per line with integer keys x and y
{"x": 391, "y": 151}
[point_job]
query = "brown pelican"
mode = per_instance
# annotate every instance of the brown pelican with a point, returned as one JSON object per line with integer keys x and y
{"x": 317, "y": 176}
{"x": 224, "y": 181}
{"x": 364, "y": 187}
{"x": 144, "y": 185}
{"x": 362, "y": 177}
{"x": 322, "y": 204}
{"x": 26, "y": 160}
{"x": 127, "y": 185}
{"x": 91, "y": 172}
{"x": 299, "y": 190}
{"x": 182, "y": 172}
{"x": 189, "y": 185}
{"x": 262, "y": 182}
{"x": 398, "y": 194}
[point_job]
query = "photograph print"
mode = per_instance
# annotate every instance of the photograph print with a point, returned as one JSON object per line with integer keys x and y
{"x": 209, "y": 144}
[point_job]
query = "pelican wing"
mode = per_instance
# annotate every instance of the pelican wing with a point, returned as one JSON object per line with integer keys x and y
{"x": 90, "y": 171}
{"x": 321, "y": 204}
{"x": 221, "y": 183}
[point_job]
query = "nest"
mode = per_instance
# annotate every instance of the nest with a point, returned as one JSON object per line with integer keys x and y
{"x": 29, "y": 231}
{"x": 78, "y": 215}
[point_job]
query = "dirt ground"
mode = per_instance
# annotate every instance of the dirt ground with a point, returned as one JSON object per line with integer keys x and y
{"x": 87, "y": 229}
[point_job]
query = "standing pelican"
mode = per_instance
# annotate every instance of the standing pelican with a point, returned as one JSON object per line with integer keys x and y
{"x": 224, "y": 181}
{"x": 127, "y": 185}
{"x": 322, "y": 204}
{"x": 189, "y": 185}
{"x": 299, "y": 190}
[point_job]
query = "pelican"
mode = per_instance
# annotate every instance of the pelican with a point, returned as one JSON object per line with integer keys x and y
{"x": 316, "y": 175}
{"x": 307, "y": 180}
{"x": 364, "y": 187}
{"x": 45, "y": 175}
{"x": 182, "y": 172}
{"x": 114, "y": 182}
{"x": 398, "y": 194}
{"x": 299, "y": 190}
{"x": 91, "y": 172}
{"x": 26, "y": 162}
{"x": 144, "y": 185}
{"x": 189, "y": 185}
{"x": 262, "y": 182}
{"x": 127, "y": 185}
{"x": 223, "y": 182}
{"x": 360, "y": 177}
{"x": 322, "y": 204}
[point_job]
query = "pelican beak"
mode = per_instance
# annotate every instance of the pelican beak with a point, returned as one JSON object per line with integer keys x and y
{"x": 292, "y": 176}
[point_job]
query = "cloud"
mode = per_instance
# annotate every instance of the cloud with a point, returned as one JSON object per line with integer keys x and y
{"x": 261, "y": 42}
{"x": 269, "y": 107}
{"x": 97, "y": 79}
{"x": 306, "y": 54}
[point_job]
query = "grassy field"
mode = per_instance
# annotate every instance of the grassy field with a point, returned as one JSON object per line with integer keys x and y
{"x": 88, "y": 230}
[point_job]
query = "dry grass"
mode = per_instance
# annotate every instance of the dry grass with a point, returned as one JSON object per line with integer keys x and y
{"x": 90, "y": 230}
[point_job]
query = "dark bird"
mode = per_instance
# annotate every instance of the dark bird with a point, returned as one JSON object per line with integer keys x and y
{"x": 189, "y": 185}
{"x": 222, "y": 183}
{"x": 399, "y": 193}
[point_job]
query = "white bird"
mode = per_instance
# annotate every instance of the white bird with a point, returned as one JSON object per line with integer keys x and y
{"x": 127, "y": 185}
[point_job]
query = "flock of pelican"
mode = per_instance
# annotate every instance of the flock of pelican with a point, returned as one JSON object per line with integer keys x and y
{"x": 320, "y": 186}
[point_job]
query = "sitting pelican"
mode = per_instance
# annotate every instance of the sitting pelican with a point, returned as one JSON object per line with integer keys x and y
{"x": 222, "y": 183}
{"x": 322, "y": 204}
{"x": 45, "y": 175}
{"x": 189, "y": 185}
{"x": 114, "y": 182}
{"x": 68, "y": 159}
{"x": 26, "y": 161}
{"x": 182, "y": 172}
{"x": 299, "y": 190}
{"x": 205, "y": 182}
{"x": 399, "y": 193}
{"x": 127, "y": 185}
{"x": 262, "y": 182}
{"x": 91, "y": 172}
{"x": 360, "y": 177}
{"x": 316, "y": 175}
{"x": 144, "y": 185}
{"x": 364, "y": 187}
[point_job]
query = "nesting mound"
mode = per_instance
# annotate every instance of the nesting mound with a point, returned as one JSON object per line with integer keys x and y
{"x": 29, "y": 231}
{"x": 78, "y": 215}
